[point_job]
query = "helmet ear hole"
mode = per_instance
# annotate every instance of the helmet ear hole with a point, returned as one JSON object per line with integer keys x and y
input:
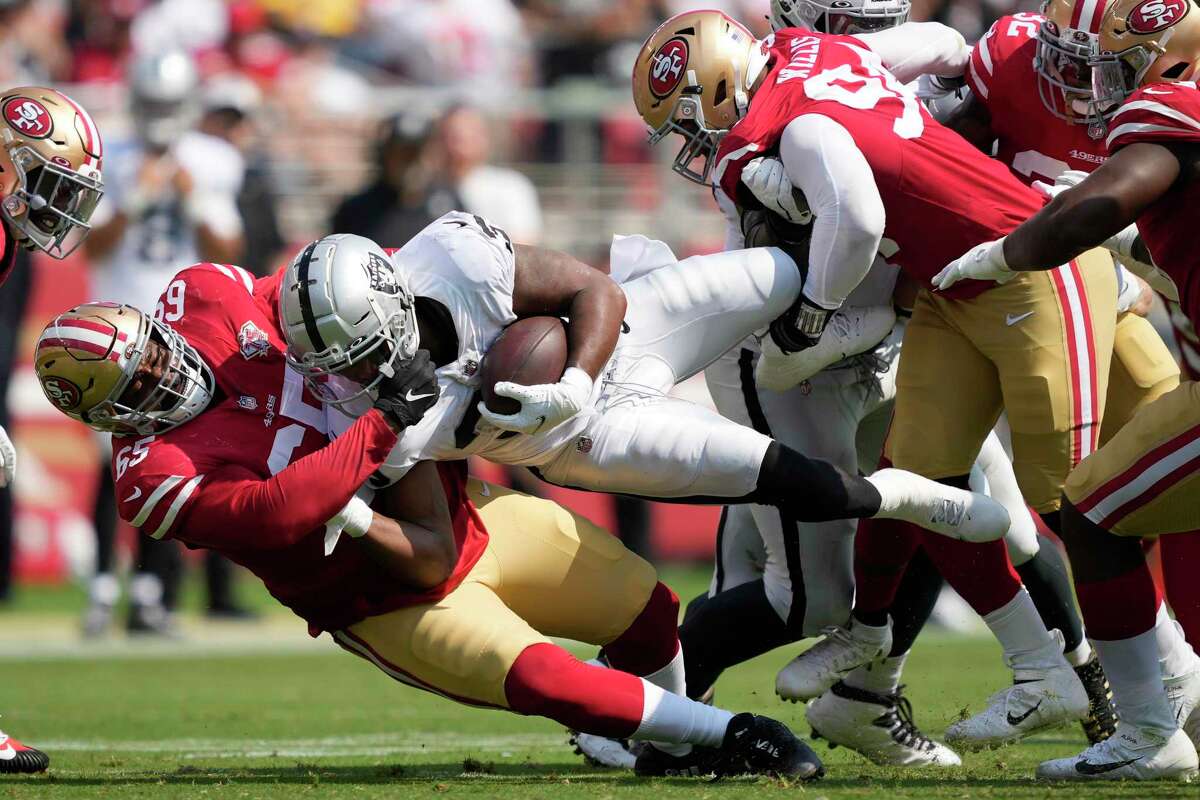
{"x": 1176, "y": 71}
{"x": 721, "y": 93}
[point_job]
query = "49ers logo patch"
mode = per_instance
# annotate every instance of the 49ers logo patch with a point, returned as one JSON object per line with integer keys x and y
{"x": 666, "y": 67}
{"x": 62, "y": 392}
{"x": 1154, "y": 15}
{"x": 29, "y": 117}
{"x": 252, "y": 341}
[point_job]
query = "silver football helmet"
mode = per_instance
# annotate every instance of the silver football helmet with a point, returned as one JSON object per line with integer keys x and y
{"x": 163, "y": 91}
{"x": 839, "y": 16}
{"x": 344, "y": 304}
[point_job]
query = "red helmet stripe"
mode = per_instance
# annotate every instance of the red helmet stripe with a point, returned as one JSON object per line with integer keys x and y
{"x": 1087, "y": 15}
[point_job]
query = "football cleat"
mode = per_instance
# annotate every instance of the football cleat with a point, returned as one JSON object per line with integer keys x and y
{"x": 97, "y": 619}
{"x": 958, "y": 514}
{"x": 17, "y": 757}
{"x": 850, "y": 331}
{"x": 877, "y": 726}
{"x": 756, "y": 745}
{"x": 1183, "y": 693}
{"x": 1101, "y": 720}
{"x": 1131, "y": 754}
{"x": 654, "y": 763}
{"x": 600, "y": 751}
{"x": 1055, "y": 698}
{"x": 843, "y": 650}
{"x": 152, "y": 620}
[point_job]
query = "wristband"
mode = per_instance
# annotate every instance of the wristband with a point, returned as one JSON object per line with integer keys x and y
{"x": 357, "y": 517}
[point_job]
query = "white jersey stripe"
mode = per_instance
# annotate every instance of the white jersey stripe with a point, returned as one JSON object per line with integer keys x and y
{"x": 173, "y": 511}
{"x": 1138, "y": 127}
{"x": 247, "y": 278}
{"x": 1158, "y": 108}
{"x": 1143, "y": 482}
{"x": 979, "y": 82}
{"x": 985, "y": 54}
{"x": 167, "y": 485}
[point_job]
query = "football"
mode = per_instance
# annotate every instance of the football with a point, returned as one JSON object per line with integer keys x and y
{"x": 529, "y": 351}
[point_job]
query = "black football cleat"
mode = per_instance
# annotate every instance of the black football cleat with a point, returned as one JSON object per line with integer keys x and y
{"x": 654, "y": 763}
{"x": 16, "y": 757}
{"x": 756, "y": 745}
{"x": 1101, "y": 721}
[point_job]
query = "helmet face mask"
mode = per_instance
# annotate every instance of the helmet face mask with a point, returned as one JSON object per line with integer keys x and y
{"x": 1065, "y": 76}
{"x": 843, "y": 17}
{"x": 97, "y": 363}
{"x": 699, "y": 142}
{"x": 348, "y": 316}
{"x": 54, "y": 150}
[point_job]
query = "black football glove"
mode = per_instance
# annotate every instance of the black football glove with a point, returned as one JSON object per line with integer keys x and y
{"x": 800, "y": 327}
{"x": 410, "y": 391}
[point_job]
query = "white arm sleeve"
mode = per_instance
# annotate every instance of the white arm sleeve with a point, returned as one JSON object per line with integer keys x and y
{"x": 920, "y": 48}
{"x": 848, "y": 215}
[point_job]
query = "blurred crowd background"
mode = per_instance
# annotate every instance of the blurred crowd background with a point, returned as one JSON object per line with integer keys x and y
{"x": 237, "y": 130}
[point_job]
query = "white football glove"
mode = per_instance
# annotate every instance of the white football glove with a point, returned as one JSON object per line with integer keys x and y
{"x": 8, "y": 460}
{"x": 768, "y": 181}
{"x": 542, "y": 406}
{"x": 1066, "y": 180}
{"x": 983, "y": 262}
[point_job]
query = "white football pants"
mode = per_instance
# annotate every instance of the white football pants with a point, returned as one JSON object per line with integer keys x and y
{"x": 680, "y": 319}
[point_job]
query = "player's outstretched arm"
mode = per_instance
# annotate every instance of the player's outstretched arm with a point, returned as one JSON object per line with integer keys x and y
{"x": 411, "y": 533}
{"x": 920, "y": 48}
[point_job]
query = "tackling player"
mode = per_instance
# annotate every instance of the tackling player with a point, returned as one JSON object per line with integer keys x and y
{"x": 826, "y": 100}
{"x": 50, "y": 156}
{"x": 1144, "y": 481}
{"x": 219, "y": 446}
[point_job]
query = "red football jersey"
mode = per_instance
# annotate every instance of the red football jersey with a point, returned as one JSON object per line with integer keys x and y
{"x": 1037, "y": 145}
{"x": 941, "y": 195}
{"x": 1167, "y": 113}
{"x": 255, "y": 476}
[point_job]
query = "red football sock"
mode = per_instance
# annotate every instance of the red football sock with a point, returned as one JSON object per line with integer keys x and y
{"x": 1119, "y": 607}
{"x": 882, "y": 550}
{"x": 652, "y": 639}
{"x": 981, "y": 573}
{"x": 1180, "y": 555}
{"x": 547, "y": 681}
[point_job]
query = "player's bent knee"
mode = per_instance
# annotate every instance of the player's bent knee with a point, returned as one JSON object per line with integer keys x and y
{"x": 652, "y": 640}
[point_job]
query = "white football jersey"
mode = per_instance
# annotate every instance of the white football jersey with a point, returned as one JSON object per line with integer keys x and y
{"x": 466, "y": 264}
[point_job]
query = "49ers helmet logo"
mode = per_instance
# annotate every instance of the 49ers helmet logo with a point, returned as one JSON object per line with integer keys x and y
{"x": 1154, "y": 15}
{"x": 667, "y": 65}
{"x": 29, "y": 117}
{"x": 62, "y": 392}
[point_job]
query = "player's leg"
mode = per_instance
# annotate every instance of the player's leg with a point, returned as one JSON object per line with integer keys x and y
{"x": 941, "y": 350}
{"x": 1143, "y": 482}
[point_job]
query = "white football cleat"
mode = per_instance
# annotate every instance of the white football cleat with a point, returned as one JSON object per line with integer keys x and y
{"x": 600, "y": 751}
{"x": 843, "y": 650}
{"x": 958, "y": 514}
{"x": 1183, "y": 693}
{"x": 850, "y": 331}
{"x": 1022, "y": 709}
{"x": 877, "y": 726}
{"x": 1131, "y": 754}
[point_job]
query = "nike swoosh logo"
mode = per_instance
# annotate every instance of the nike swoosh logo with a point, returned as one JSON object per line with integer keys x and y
{"x": 1148, "y": 90}
{"x": 1086, "y": 768}
{"x": 1011, "y": 319}
{"x": 1017, "y": 720}
{"x": 137, "y": 492}
{"x": 410, "y": 397}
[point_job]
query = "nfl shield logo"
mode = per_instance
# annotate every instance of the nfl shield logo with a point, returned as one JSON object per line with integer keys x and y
{"x": 252, "y": 341}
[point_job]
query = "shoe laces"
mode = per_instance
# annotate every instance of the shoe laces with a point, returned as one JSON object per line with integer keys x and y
{"x": 900, "y": 725}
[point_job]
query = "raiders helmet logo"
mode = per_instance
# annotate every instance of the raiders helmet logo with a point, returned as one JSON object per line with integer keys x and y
{"x": 62, "y": 392}
{"x": 382, "y": 275}
{"x": 29, "y": 117}
{"x": 1154, "y": 15}
{"x": 666, "y": 67}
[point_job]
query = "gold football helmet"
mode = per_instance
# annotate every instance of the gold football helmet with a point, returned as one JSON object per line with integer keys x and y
{"x": 1063, "y": 66}
{"x": 50, "y": 155}
{"x": 1140, "y": 42}
{"x": 693, "y": 77}
{"x": 119, "y": 370}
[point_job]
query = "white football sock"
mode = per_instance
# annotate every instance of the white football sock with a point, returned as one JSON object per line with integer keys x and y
{"x": 668, "y": 717}
{"x": 146, "y": 589}
{"x": 1028, "y": 647}
{"x": 1135, "y": 676}
{"x": 104, "y": 589}
{"x": 1080, "y": 655}
{"x": 1175, "y": 656}
{"x": 671, "y": 678}
{"x": 880, "y": 677}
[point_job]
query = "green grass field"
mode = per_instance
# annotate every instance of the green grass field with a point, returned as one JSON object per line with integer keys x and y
{"x": 312, "y": 721}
